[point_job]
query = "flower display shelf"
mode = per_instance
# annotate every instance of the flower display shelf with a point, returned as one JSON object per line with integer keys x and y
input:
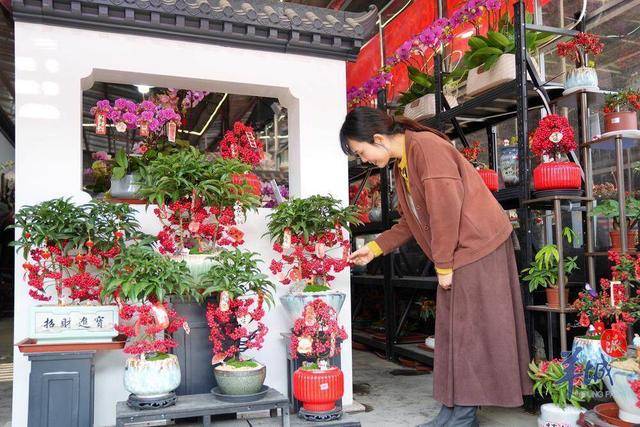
{"x": 29, "y": 345}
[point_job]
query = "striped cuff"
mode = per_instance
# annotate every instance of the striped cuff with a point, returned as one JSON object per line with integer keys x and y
{"x": 375, "y": 248}
{"x": 444, "y": 271}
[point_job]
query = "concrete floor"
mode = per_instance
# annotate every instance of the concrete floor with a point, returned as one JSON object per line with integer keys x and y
{"x": 389, "y": 400}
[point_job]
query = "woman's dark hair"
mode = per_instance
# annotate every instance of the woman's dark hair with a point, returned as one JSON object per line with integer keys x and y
{"x": 363, "y": 122}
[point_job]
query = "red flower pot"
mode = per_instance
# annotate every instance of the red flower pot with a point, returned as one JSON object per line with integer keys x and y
{"x": 318, "y": 390}
{"x": 553, "y": 297}
{"x": 490, "y": 178}
{"x": 620, "y": 120}
{"x": 557, "y": 176}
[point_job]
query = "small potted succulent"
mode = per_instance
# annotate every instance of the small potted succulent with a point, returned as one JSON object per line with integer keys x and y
{"x": 304, "y": 232}
{"x": 580, "y": 49}
{"x": 141, "y": 280}
{"x": 317, "y": 336}
{"x": 620, "y": 111}
{"x": 66, "y": 249}
{"x": 489, "y": 176}
{"x": 124, "y": 179}
{"x": 552, "y": 378}
{"x": 611, "y": 209}
{"x": 235, "y": 320}
{"x": 543, "y": 271}
{"x": 552, "y": 140}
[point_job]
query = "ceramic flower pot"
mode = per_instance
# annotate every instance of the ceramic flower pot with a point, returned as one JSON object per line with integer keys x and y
{"x": 503, "y": 71}
{"x": 591, "y": 350}
{"x": 553, "y": 297}
{"x": 555, "y": 415}
{"x": 557, "y": 176}
{"x": 490, "y": 178}
{"x": 152, "y": 378}
{"x": 125, "y": 188}
{"x": 623, "y": 376}
{"x": 295, "y": 302}
{"x": 318, "y": 390}
{"x": 581, "y": 78}
{"x": 240, "y": 381}
{"x": 73, "y": 323}
{"x": 616, "y": 242}
{"x": 198, "y": 264}
{"x": 425, "y": 107}
{"x": 620, "y": 121}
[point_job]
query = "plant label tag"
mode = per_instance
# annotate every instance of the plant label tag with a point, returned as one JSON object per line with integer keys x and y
{"x": 324, "y": 386}
{"x": 101, "y": 123}
{"x": 345, "y": 252}
{"x": 217, "y": 358}
{"x": 234, "y": 151}
{"x": 121, "y": 127}
{"x": 144, "y": 129}
{"x": 238, "y": 213}
{"x": 172, "y": 129}
{"x": 309, "y": 316}
{"x": 295, "y": 275}
{"x": 615, "y": 120}
{"x": 160, "y": 314}
{"x": 252, "y": 139}
{"x": 555, "y": 137}
{"x": 286, "y": 239}
{"x": 614, "y": 343}
{"x": 187, "y": 329}
{"x": 320, "y": 250}
{"x": 224, "y": 301}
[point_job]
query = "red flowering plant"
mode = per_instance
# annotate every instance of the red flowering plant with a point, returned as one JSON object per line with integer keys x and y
{"x": 625, "y": 100}
{"x": 140, "y": 279}
{"x": 317, "y": 335}
{"x": 579, "y": 47}
{"x": 304, "y": 232}
{"x": 553, "y": 137}
{"x": 363, "y": 203}
{"x": 472, "y": 155}
{"x": 550, "y": 378}
{"x": 199, "y": 203}
{"x": 241, "y": 143}
{"x": 235, "y": 319}
{"x": 67, "y": 247}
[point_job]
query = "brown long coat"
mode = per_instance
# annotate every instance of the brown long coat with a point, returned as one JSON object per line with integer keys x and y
{"x": 481, "y": 352}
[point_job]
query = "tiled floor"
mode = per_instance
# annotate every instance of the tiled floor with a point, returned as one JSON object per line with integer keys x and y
{"x": 396, "y": 401}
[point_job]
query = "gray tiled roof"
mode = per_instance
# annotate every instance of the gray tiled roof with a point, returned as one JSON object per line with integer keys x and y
{"x": 256, "y": 24}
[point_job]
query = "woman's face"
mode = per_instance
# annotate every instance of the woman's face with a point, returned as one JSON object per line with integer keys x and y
{"x": 377, "y": 153}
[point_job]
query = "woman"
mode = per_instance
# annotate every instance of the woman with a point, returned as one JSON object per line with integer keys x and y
{"x": 481, "y": 353}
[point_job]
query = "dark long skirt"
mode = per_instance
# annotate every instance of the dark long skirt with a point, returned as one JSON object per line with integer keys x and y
{"x": 482, "y": 354}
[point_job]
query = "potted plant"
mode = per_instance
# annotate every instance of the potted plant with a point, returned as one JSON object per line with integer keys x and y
{"x": 124, "y": 180}
{"x": 304, "y": 232}
{"x": 552, "y": 379}
{"x": 489, "y": 176}
{"x": 491, "y": 58}
{"x": 419, "y": 101}
{"x": 543, "y": 271}
{"x": 620, "y": 111}
{"x": 317, "y": 335}
{"x": 363, "y": 203}
{"x": 235, "y": 320}
{"x": 552, "y": 140}
{"x": 578, "y": 49}
{"x": 624, "y": 385}
{"x": 142, "y": 280}
{"x": 611, "y": 209}
{"x": 66, "y": 249}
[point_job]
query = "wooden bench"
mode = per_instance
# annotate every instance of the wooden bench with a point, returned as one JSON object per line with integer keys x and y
{"x": 203, "y": 405}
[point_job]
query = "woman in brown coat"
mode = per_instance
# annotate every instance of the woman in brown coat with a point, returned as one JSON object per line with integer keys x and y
{"x": 481, "y": 352}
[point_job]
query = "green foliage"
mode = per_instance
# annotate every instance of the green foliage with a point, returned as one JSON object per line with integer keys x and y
{"x": 237, "y": 273}
{"x": 235, "y": 363}
{"x": 125, "y": 165}
{"x": 548, "y": 380}
{"x": 611, "y": 209}
{"x": 139, "y": 272}
{"x": 157, "y": 356}
{"x": 189, "y": 173}
{"x": 543, "y": 271}
{"x": 311, "y": 216}
{"x": 312, "y": 366}
{"x": 423, "y": 83}
{"x": 60, "y": 223}
{"x": 316, "y": 288}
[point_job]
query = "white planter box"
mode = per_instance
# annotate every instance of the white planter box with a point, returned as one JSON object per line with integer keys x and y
{"x": 73, "y": 323}
{"x": 554, "y": 416}
{"x": 503, "y": 71}
{"x": 425, "y": 107}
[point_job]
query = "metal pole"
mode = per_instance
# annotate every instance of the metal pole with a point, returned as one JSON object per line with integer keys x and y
{"x": 588, "y": 184}
{"x": 621, "y": 195}
{"x": 557, "y": 213}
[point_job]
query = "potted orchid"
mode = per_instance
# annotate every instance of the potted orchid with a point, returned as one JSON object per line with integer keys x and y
{"x": 241, "y": 291}
{"x": 142, "y": 280}
{"x": 489, "y": 176}
{"x": 66, "y": 249}
{"x": 124, "y": 177}
{"x": 304, "y": 233}
{"x": 620, "y": 111}
{"x": 552, "y": 141}
{"x": 580, "y": 49}
{"x": 317, "y": 337}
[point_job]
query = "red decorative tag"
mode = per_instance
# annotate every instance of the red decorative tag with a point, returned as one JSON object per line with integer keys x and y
{"x": 286, "y": 239}
{"x": 101, "y": 123}
{"x": 295, "y": 275}
{"x": 614, "y": 343}
{"x": 320, "y": 250}
{"x": 144, "y": 129}
{"x": 224, "y": 301}
{"x": 309, "y": 316}
{"x": 172, "y": 129}
{"x": 160, "y": 314}
{"x": 252, "y": 139}
{"x": 217, "y": 358}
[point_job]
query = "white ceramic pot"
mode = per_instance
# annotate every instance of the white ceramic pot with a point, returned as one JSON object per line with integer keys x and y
{"x": 503, "y": 71}
{"x": 198, "y": 264}
{"x": 150, "y": 379}
{"x": 425, "y": 107}
{"x": 622, "y": 393}
{"x": 125, "y": 188}
{"x": 73, "y": 323}
{"x": 553, "y": 415}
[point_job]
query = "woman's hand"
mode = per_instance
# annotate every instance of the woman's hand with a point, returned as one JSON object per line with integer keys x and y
{"x": 445, "y": 280}
{"x": 362, "y": 256}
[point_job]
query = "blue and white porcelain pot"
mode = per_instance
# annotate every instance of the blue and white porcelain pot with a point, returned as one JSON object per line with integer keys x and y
{"x": 152, "y": 378}
{"x": 581, "y": 78}
{"x": 591, "y": 350}
{"x": 623, "y": 373}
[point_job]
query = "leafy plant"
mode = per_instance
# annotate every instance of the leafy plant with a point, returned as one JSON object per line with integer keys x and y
{"x": 423, "y": 83}
{"x": 550, "y": 379}
{"x": 140, "y": 274}
{"x": 486, "y": 50}
{"x": 237, "y": 273}
{"x": 611, "y": 209}
{"x": 543, "y": 271}
{"x": 624, "y": 100}
{"x": 124, "y": 165}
